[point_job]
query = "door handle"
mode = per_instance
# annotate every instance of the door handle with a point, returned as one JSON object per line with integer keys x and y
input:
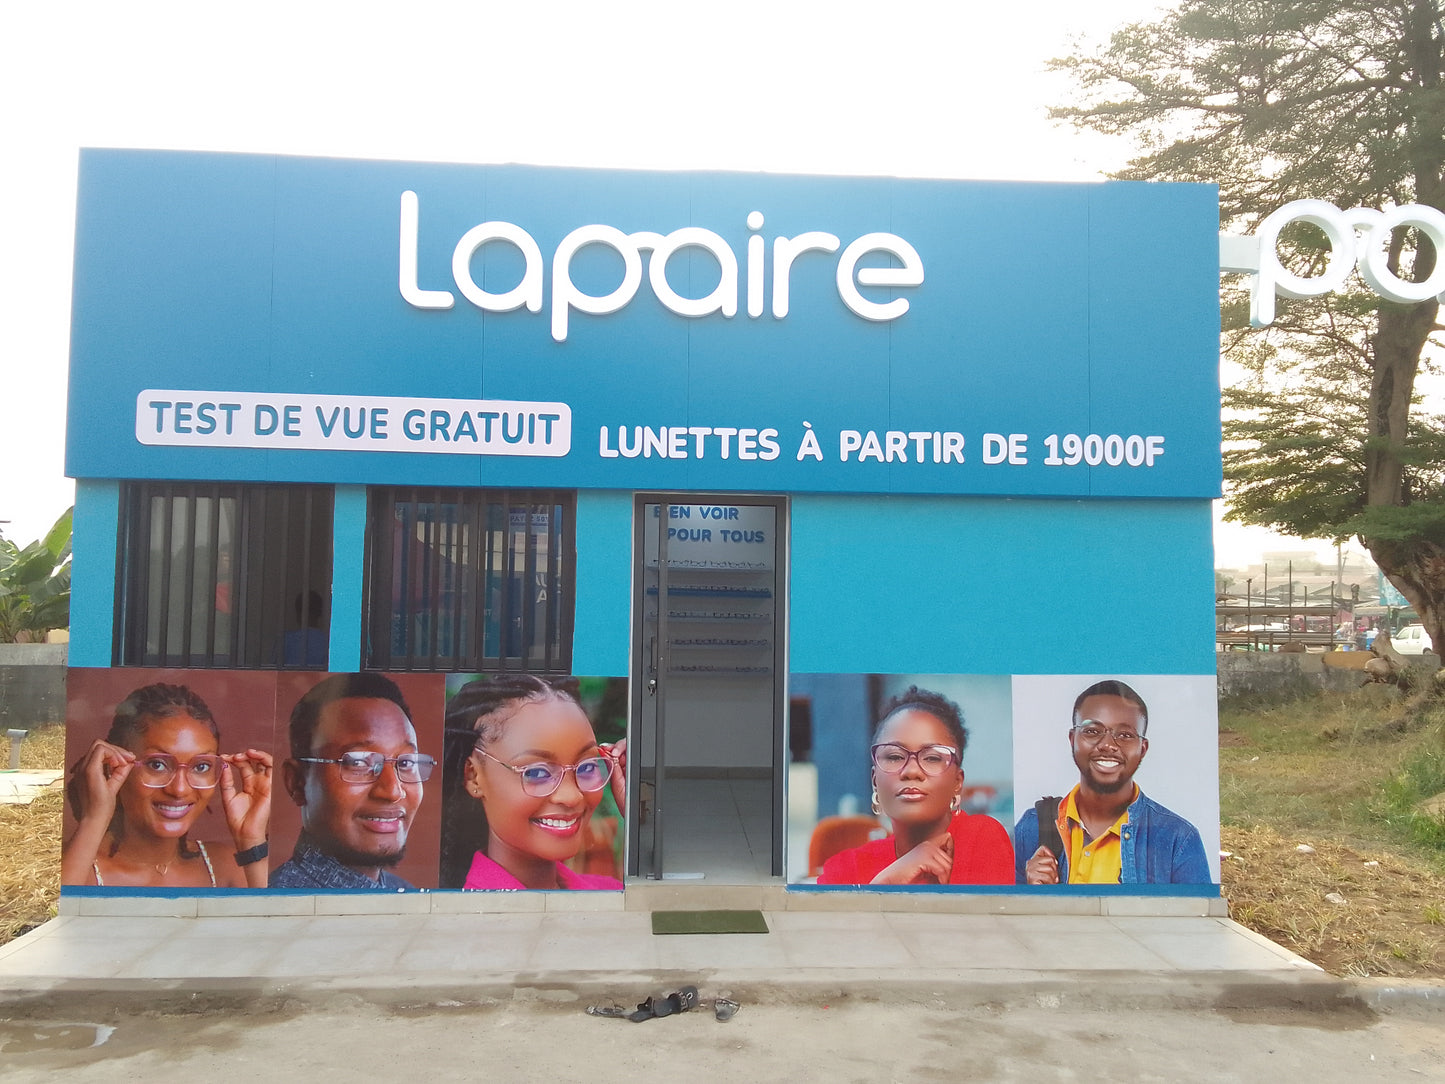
{"x": 652, "y": 686}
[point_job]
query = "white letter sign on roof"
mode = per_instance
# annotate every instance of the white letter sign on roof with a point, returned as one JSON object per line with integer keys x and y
{"x": 722, "y": 299}
{"x": 1258, "y": 257}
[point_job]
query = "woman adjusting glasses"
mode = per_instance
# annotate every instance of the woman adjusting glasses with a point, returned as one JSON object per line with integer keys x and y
{"x": 523, "y": 775}
{"x": 917, "y": 756}
{"x": 138, "y": 795}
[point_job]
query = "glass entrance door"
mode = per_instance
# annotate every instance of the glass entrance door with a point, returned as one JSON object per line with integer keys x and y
{"x": 709, "y": 637}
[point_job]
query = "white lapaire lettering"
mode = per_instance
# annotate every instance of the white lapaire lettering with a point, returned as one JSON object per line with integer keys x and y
{"x": 1358, "y": 237}
{"x": 722, "y": 298}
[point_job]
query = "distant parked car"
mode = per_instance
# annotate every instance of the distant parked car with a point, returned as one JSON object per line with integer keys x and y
{"x": 1412, "y": 640}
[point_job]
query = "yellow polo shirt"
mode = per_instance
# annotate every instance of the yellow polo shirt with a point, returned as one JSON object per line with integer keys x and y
{"x": 1097, "y": 861}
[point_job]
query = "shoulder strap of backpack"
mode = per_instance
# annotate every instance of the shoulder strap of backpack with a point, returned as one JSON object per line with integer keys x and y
{"x": 1048, "y": 811}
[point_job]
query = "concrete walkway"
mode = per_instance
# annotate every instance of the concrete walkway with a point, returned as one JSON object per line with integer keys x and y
{"x": 613, "y": 955}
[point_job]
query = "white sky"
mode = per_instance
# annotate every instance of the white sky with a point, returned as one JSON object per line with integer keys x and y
{"x": 933, "y": 88}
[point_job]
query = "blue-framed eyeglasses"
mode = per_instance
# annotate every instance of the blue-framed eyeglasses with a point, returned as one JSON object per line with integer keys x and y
{"x": 542, "y": 779}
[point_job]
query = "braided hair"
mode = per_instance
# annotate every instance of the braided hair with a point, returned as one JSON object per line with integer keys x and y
{"x": 133, "y": 717}
{"x": 476, "y": 716}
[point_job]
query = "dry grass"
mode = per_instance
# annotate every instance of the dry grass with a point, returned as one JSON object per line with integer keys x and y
{"x": 1342, "y": 774}
{"x": 44, "y": 748}
{"x": 30, "y": 843}
{"x": 1390, "y": 922}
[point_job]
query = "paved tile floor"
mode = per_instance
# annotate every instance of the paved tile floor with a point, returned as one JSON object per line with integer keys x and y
{"x": 716, "y": 827}
{"x": 720, "y": 828}
{"x": 437, "y": 949}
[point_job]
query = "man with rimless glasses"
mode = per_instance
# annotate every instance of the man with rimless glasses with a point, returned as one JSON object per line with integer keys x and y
{"x": 357, "y": 775}
{"x": 1105, "y": 831}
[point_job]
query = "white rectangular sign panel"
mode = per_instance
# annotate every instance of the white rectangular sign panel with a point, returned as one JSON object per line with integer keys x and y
{"x": 352, "y": 423}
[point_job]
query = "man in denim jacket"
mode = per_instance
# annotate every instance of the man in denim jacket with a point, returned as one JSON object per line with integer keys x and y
{"x": 1105, "y": 831}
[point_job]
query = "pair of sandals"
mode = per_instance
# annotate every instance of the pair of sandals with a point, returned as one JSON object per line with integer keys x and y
{"x": 683, "y": 1000}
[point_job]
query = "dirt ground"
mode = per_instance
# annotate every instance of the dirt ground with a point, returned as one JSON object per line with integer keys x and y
{"x": 1323, "y": 858}
{"x": 1355, "y": 913}
{"x": 866, "y": 1042}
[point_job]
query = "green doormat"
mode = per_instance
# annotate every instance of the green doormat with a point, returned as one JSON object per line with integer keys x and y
{"x": 708, "y": 922}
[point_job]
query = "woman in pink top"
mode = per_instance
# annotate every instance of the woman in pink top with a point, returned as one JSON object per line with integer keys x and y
{"x": 523, "y": 774}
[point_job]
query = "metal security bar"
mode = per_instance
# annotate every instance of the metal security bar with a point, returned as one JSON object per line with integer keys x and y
{"x": 473, "y": 580}
{"x": 222, "y": 575}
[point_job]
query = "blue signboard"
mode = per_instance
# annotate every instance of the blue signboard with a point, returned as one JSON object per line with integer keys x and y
{"x": 1389, "y": 593}
{"x": 271, "y": 318}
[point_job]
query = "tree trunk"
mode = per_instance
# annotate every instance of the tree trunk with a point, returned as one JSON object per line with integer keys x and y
{"x": 1417, "y": 569}
{"x": 1416, "y": 566}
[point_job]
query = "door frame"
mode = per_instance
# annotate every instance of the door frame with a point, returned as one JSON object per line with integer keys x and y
{"x": 638, "y": 661}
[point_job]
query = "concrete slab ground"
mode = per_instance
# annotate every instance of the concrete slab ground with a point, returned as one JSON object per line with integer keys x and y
{"x": 825, "y": 994}
{"x": 613, "y": 954}
{"x": 840, "y": 1039}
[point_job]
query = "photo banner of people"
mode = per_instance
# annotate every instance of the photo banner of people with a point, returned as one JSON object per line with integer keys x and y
{"x": 1034, "y": 782}
{"x": 904, "y": 779}
{"x": 534, "y": 782}
{"x": 1125, "y": 767}
{"x": 357, "y": 806}
{"x": 171, "y": 779}
{"x": 189, "y": 780}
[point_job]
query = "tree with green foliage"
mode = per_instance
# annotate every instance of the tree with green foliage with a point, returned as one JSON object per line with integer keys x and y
{"x": 35, "y": 584}
{"x": 1279, "y": 100}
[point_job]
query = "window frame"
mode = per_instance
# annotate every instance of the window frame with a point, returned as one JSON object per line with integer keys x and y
{"x": 146, "y": 577}
{"x": 487, "y": 564}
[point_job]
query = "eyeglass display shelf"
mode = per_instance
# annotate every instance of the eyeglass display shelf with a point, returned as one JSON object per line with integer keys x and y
{"x": 699, "y": 590}
{"x": 722, "y": 671}
{"x": 705, "y": 616}
{"x": 689, "y": 565}
{"x": 720, "y": 641}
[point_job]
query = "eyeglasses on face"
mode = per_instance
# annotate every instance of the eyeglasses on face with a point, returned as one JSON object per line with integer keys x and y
{"x": 541, "y": 780}
{"x": 158, "y": 769}
{"x": 366, "y": 767}
{"x": 1092, "y": 733}
{"x": 891, "y": 758}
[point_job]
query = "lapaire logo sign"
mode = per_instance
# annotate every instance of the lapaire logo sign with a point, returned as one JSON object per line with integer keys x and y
{"x": 722, "y": 300}
{"x": 1358, "y": 238}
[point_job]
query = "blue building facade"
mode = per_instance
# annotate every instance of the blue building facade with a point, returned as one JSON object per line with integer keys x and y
{"x": 425, "y": 419}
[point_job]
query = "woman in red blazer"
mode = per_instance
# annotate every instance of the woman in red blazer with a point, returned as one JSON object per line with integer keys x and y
{"x": 918, "y": 785}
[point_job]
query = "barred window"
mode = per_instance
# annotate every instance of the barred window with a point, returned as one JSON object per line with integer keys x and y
{"x": 471, "y": 580}
{"x": 223, "y": 575}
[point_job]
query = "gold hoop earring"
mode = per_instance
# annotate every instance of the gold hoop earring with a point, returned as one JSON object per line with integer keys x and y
{"x": 877, "y": 809}
{"x": 957, "y": 803}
